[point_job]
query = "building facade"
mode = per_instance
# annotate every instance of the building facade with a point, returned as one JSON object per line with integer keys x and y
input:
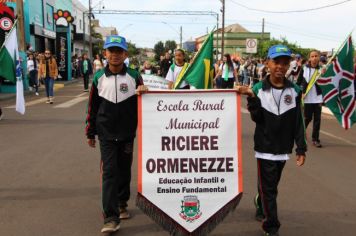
{"x": 81, "y": 28}
{"x": 40, "y": 31}
{"x": 234, "y": 39}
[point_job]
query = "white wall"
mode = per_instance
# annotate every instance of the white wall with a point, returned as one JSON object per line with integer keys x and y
{"x": 78, "y": 9}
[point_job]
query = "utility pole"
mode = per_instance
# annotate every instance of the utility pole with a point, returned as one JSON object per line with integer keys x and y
{"x": 20, "y": 25}
{"x": 223, "y": 27}
{"x": 217, "y": 37}
{"x": 90, "y": 39}
{"x": 83, "y": 33}
{"x": 263, "y": 28}
{"x": 181, "y": 37}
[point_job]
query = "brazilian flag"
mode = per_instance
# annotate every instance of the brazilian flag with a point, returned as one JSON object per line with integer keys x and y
{"x": 200, "y": 72}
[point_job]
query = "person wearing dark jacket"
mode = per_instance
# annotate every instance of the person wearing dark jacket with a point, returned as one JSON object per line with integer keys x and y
{"x": 112, "y": 116}
{"x": 86, "y": 69}
{"x": 165, "y": 64}
{"x": 313, "y": 98}
{"x": 275, "y": 106}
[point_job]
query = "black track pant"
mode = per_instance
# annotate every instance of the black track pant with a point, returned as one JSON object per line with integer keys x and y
{"x": 313, "y": 110}
{"x": 86, "y": 81}
{"x": 116, "y": 160}
{"x": 269, "y": 174}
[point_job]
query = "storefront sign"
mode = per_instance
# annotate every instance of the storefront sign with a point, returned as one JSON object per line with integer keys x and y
{"x": 48, "y": 33}
{"x": 63, "y": 18}
{"x": 189, "y": 164}
{"x": 62, "y": 55}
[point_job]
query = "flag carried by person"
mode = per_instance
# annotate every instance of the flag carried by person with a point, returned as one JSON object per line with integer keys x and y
{"x": 337, "y": 85}
{"x": 200, "y": 72}
{"x": 11, "y": 67}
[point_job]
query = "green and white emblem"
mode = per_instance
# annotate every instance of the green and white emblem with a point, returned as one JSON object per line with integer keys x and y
{"x": 190, "y": 209}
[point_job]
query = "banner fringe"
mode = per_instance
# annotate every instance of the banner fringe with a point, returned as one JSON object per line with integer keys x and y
{"x": 175, "y": 229}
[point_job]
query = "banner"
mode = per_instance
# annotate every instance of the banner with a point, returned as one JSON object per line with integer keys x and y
{"x": 154, "y": 82}
{"x": 189, "y": 167}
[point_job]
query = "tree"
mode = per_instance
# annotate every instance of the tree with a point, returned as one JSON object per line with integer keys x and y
{"x": 132, "y": 50}
{"x": 159, "y": 50}
{"x": 170, "y": 45}
{"x": 98, "y": 42}
{"x": 262, "y": 47}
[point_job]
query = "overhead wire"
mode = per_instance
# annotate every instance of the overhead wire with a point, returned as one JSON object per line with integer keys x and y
{"x": 290, "y": 11}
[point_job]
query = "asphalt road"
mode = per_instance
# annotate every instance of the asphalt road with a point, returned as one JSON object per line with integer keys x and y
{"x": 50, "y": 178}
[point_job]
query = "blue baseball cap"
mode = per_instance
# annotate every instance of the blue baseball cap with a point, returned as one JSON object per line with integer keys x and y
{"x": 278, "y": 51}
{"x": 115, "y": 41}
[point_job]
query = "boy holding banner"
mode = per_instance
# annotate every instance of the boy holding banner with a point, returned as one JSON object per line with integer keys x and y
{"x": 176, "y": 71}
{"x": 275, "y": 107}
{"x": 312, "y": 94}
{"x": 112, "y": 115}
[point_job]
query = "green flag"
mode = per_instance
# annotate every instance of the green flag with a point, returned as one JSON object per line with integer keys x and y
{"x": 201, "y": 71}
{"x": 337, "y": 85}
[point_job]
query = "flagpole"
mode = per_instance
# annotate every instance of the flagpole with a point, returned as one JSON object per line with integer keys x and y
{"x": 7, "y": 36}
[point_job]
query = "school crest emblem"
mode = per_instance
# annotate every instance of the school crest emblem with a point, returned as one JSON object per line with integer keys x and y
{"x": 124, "y": 88}
{"x": 288, "y": 99}
{"x": 190, "y": 209}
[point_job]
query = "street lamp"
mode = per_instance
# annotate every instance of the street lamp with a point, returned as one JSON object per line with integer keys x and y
{"x": 125, "y": 27}
{"x": 179, "y": 33}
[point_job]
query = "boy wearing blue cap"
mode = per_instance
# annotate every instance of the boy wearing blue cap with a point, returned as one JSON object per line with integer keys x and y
{"x": 112, "y": 116}
{"x": 275, "y": 106}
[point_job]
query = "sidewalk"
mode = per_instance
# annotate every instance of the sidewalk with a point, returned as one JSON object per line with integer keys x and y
{"x": 57, "y": 85}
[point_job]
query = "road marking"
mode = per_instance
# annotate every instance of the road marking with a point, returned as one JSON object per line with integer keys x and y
{"x": 338, "y": 138}
{"x": 43, "y": 100}
{"x": 82, "y": 94}
{"x": 27, "y": 104}
{"x": 57, "y": 86}
{"x": 71, "y": 103}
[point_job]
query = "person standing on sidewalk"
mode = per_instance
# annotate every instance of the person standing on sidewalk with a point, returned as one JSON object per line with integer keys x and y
{"x": 313, "y": 100}
{"x": 98, "y": 63}
{"x": 275, "y": 106}
{"x": 48, "y": 71}
{"x": 32, "y": 69}
{"x": 86, "y": 70}
{"x": 112, "y": 116}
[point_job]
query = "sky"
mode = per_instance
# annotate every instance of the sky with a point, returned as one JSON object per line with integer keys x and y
{"x": 323, "y": 29}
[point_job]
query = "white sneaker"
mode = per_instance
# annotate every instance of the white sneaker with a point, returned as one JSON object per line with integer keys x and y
{"x": 37, "y": 94}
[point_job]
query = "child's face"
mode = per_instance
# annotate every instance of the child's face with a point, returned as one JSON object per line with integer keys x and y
{"x": 179, "y": 57}
{"x": 314, "y": 59}
{"x": 278, "y": 67}
{"x": 116, "y": 56}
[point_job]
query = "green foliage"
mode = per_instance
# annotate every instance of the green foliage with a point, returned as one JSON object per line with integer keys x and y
{"x": 132, "y": 50}
{"x": 159, "y": 50}
{"x": 98, "y": 46}
{"x": 262, "y": 48}
{"x": 170, "y": 45}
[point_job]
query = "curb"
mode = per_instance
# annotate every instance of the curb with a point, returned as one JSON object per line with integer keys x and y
{"x": 57, "y": 85}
